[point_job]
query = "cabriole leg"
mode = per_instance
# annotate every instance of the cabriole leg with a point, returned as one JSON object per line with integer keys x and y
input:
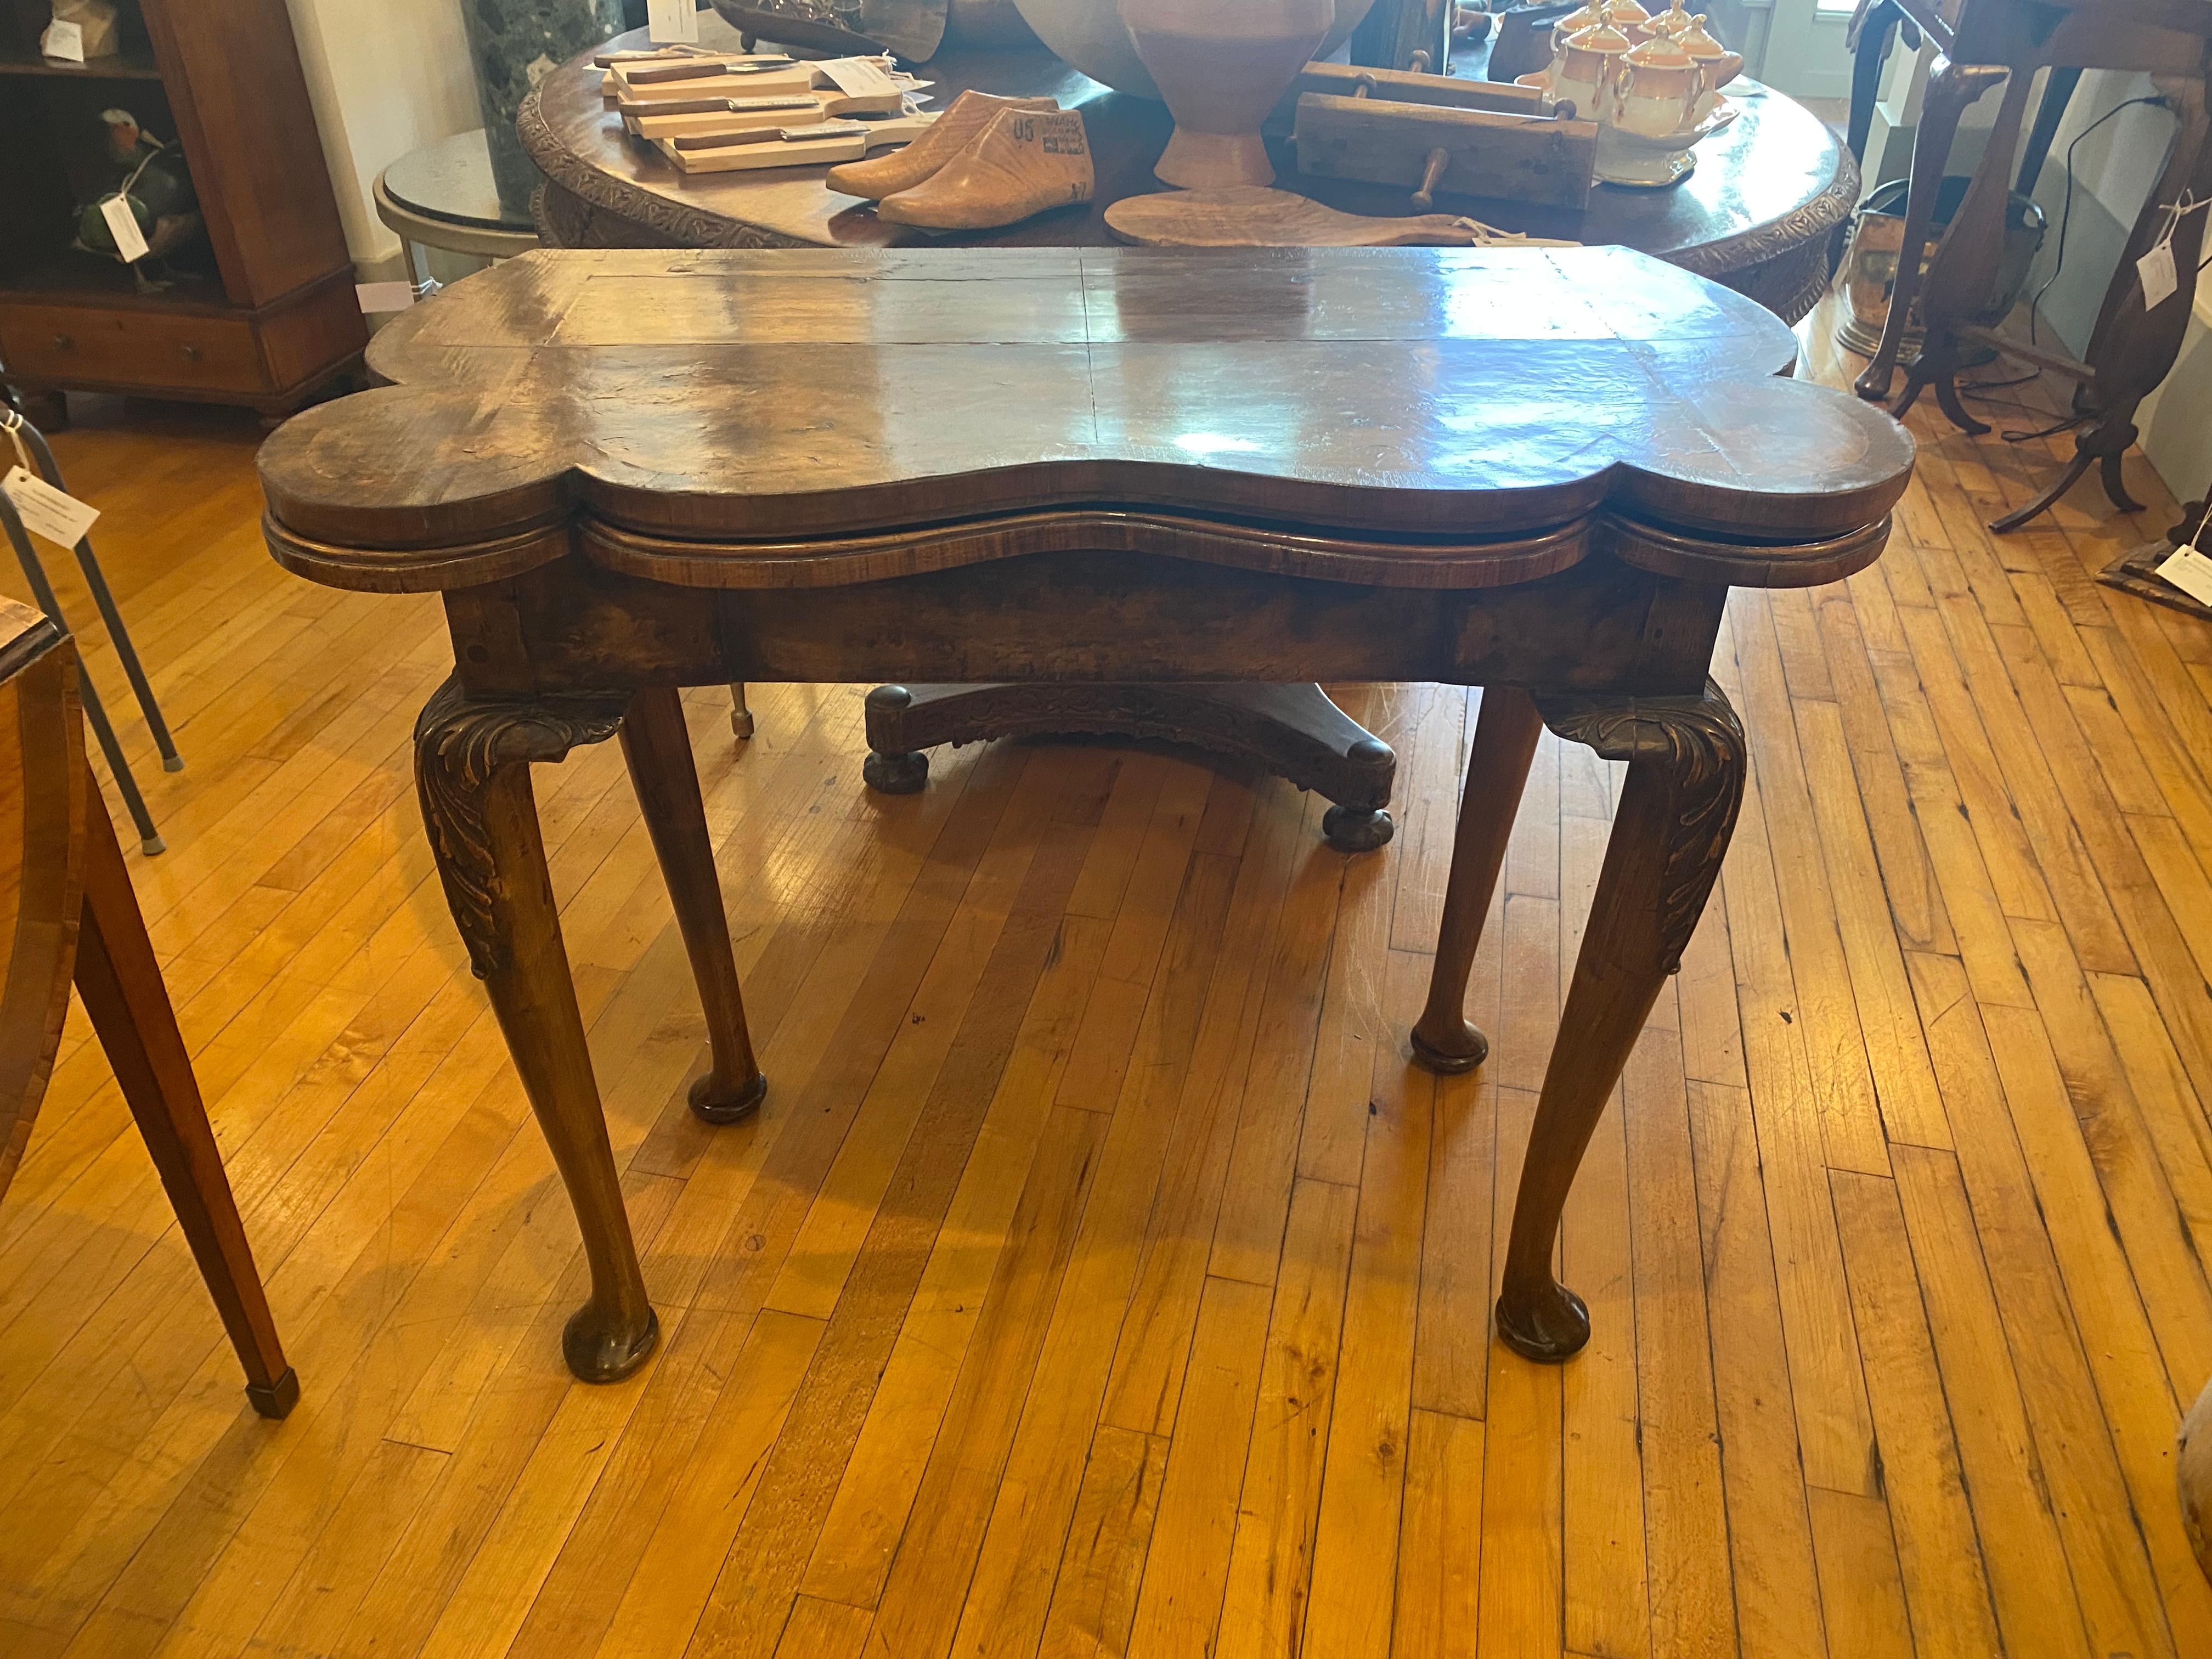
{"x": 658, "y": 746}
{"x": 471, "y": 769}
{"x": 1678, "y": 809}
{"x": 1505, "y": 734}
{"x": 1952, "y": 88}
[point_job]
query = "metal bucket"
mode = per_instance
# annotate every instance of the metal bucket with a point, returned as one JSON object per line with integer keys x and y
{"x": 1870, "y": 263}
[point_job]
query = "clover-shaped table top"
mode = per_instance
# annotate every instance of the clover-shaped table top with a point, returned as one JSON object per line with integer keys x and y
{"x": 1402, "y": 397}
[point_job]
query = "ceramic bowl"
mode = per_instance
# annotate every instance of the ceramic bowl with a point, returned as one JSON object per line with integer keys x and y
{"x": 1089, "y": 34}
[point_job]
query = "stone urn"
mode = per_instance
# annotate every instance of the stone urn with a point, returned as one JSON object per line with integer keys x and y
{"x": 512, "y": 44}
{"x": 1220, "y": 65}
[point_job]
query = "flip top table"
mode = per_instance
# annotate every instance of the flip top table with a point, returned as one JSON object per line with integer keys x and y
{"x": 1536, "y": 471}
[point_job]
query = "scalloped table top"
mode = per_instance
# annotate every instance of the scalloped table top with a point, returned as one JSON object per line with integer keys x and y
{"x": 796, "y": 397}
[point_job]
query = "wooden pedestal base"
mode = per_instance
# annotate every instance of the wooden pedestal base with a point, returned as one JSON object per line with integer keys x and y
{"x": 1293, "y": 731}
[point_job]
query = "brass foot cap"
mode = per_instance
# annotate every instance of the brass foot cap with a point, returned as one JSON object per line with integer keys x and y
{"x": 1357, "y": 828}
{"x": 715, "y": 1102}
{"x": 597, "y": 1354}
{"x": 1452, "y": 1062}
{"x": 1551, "y": 1330}
{"x": 902, "y": 773}
{"x": 276, "y": 1399}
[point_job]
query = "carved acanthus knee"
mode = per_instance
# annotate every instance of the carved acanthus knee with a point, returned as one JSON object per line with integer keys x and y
{"x": 461, "y": 745}
{"x": 1692, "y": 749}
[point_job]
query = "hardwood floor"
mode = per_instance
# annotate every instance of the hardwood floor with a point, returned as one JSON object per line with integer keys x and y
{"x": 1100, "y": 1279}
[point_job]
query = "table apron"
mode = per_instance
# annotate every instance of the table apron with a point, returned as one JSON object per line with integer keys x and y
{"x": 572, "y": 626}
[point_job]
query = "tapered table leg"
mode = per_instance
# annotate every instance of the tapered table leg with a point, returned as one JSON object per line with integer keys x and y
{"x": 471, "y": 768}
{"x": 658, "y": 746}
{"x": 1952, "y": 88}
{"x": 1505, "y": 734}
{"x": 129, "y": 1006}
{"x": 1678, "y": 809}
{"x": 1962, "y": 276}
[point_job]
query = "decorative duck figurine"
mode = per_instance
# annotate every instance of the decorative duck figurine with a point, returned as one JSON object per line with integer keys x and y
{"x": 152, "y": 177}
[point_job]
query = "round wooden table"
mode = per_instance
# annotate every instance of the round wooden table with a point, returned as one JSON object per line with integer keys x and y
{"x": 1757, "y": 215}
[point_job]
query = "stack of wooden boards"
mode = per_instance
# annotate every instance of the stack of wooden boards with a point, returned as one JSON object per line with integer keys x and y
{"x": 725, "y": 112}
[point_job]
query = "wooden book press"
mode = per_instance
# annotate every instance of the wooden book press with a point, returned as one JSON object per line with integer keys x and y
{"x": 67, "y": 909}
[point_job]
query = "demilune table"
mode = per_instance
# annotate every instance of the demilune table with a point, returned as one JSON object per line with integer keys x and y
{"x": 1536, "y": 471}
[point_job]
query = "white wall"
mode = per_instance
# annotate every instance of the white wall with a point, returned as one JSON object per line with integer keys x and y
{"x": 385, "y": 78}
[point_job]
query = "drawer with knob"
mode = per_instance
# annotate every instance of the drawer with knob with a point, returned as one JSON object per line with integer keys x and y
{"x": 137, "y": 349}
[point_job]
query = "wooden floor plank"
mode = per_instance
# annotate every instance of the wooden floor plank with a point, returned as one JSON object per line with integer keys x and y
{"x": 1186, "y": 1565}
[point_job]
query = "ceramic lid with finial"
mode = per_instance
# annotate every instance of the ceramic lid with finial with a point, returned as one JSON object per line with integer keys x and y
{"x": 1672, "y": 23}
{"x": 1590, "y": 12}
{"x": 1627, "y": 15}
{"x": 1698, "y": 42}
{"x": 1600, "y": 38}
{"x": 1659, "y": 53}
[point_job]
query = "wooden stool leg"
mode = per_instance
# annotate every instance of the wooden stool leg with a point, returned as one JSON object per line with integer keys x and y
{"x": 121, "y": 984}
{"x": 1952, "y": 88}
{"x": 1678, "y": 808}
{"x": 741, "y": 713}
{"x": 1505, "y": 734}
{"x": 658, "y": 746}
{"x": 1963, "y": 273}
{"x": 470, "y": 770}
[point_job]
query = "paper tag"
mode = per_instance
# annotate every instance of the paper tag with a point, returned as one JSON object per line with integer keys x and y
{"x": 123, "y": 225}
{"x": 63, "y": 40}
{"x": 2156, "y": 268}
{"x": 672, "y": 23}
{"x": 859, "y": 77}
{"x": 385, "y": 296}
{"x": 2189, "y": 571}
{"x": 46, "y": 511}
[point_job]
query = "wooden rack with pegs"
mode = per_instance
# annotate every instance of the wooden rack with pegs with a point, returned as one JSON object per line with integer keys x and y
{"x": 1514, "y": 154}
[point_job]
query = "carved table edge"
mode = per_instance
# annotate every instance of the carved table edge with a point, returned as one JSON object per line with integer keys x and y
{"x": 845, "y": 561}
{"x": 676, "y": 223}
{"x": 416, "y": 569}
{"x": 840, "y": 561}
{"x": 1741, "y": 564}
{"x": 1743, "y": 255}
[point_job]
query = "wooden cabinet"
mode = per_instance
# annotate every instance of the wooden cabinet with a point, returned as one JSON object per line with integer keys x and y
{"x": 261, "y": 310}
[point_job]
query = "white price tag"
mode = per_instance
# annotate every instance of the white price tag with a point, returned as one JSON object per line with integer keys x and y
{"x": 672, "y": 23}
{"x": 859, "y": 77}
{"x": 2189, "y": 571}
{"x": 63, "y": 40}
{"x": 46, "y": 511}
{"x": 2156, "y": 268}
{"x": 123, "y": 225}
{"x": 385, "y": 296}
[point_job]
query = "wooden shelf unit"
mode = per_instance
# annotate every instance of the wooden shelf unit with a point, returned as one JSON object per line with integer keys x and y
{"x": 263, "y": 311}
